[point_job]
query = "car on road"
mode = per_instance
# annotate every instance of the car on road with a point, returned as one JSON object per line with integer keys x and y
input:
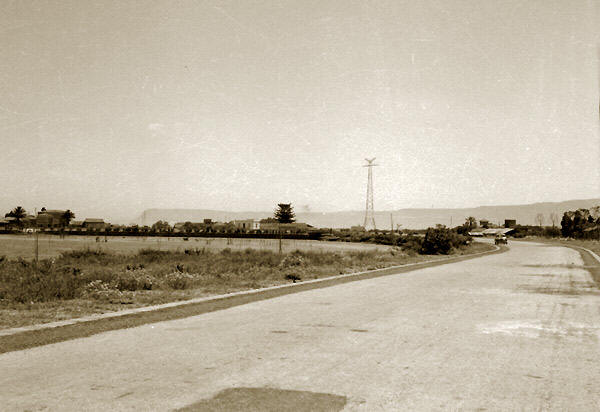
{"x": 501, "y": 240}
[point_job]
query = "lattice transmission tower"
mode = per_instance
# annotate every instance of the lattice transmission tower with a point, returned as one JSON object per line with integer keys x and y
{"x": 369, "y": 210}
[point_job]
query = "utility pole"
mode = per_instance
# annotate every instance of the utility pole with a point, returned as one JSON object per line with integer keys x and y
{"x": 369, "y": 209}
{"x": 37, "y": 239}
{"x": 279, "y": 227}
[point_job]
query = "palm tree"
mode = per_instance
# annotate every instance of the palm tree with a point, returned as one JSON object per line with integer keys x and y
{"x": 67, "y": 217}
{"x": 18, "y": 213}
{"x": 470, "y": 223}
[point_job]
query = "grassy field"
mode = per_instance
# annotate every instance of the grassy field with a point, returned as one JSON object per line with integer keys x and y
{"x": 51, "y": 246}
{"x": 79, "y": 283}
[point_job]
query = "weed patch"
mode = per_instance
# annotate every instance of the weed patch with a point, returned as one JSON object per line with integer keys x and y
{"x": 82, "y": 280}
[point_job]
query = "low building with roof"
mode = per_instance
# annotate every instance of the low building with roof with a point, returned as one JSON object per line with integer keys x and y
{"x": 290, "y": 228}
{"x": 94, "y": 224}
{"x": 247, "y": 225}
{"x": 7, "y": 223}
{"x": 50, "y": 218}
{"x": 496, "y": 232}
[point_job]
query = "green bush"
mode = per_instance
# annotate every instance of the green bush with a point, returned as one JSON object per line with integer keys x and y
{"x": 410, "y": 243}
{"x": 552, "y": 231}
{"x": 441, "y": 241}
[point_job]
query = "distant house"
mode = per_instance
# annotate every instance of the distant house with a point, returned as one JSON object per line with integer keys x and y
{"x": 495, "y": 232}
{"x": 247, "y": 225}
{"x": 188, "y": 227}
{"x": 178, "y": 227}
{"x": 94, "y": 224}
{"x": 510, "y": 223}
{"x": 75, "y": 225}
{"x": 220, "y": 227}
{"x": 289, "y": 228}
{"x": 50, "y": 219}
{"x": 476, "y": 233}
{"x": 7, "y": 223}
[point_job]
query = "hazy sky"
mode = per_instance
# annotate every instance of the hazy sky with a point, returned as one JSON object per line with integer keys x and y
{"x": 108, "y": 108}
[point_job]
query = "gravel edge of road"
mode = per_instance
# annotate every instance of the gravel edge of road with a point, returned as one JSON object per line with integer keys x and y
{"x": 591, "y": 261}
{"x": 45, "y": 334}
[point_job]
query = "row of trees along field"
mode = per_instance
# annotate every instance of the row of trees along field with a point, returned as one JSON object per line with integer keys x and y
{"x": 581, "y": 223}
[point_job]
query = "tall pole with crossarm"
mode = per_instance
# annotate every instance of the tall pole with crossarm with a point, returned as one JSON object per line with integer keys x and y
{"x": 369, "y": 210}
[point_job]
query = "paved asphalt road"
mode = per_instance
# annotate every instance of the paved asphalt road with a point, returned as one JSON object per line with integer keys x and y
{"x": 512, "y": 331}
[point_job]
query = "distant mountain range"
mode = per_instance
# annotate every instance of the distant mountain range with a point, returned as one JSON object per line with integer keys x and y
{"x": 408, "y": 218}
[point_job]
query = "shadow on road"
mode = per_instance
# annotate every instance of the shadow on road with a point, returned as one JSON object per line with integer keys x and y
{"x": 268, "y": 399}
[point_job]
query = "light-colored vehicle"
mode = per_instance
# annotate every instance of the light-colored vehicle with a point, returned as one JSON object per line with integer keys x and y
{"x": 501, "y": 240}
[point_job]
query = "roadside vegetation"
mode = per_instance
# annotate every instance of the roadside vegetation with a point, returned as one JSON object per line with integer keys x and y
{"x": 580, "y": 227}
{"x": 433, "y": 241}
{"x": 84, "y": 282}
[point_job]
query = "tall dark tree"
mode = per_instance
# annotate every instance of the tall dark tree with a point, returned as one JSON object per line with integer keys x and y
{"x": 579, "y": 222}
{"x": 67, "y": 217}
{"x": 566, "y": 225}
{"x": 285, "y": 213}
{"x": 18, "y": 213}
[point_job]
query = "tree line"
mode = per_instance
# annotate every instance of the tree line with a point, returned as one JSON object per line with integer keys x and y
{"x": 581, "y": 223}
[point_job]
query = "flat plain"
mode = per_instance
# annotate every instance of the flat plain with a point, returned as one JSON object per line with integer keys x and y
{"x": 49, "y": 246}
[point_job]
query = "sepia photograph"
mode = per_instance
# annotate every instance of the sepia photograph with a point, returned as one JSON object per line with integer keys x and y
{"x": 299, "y": 205}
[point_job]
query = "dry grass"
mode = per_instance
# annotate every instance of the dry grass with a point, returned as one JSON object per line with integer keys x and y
{"x": 51, "y": 246}
{"x": 84, "y": 282}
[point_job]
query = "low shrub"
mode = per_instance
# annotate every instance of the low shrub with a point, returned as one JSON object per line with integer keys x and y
{"x": 179, "y": 280}
{"x": 82, "y": 254}
{"x": 102, "y": 291}
{"x": 410, "y": 243}
{"x": 441, "y": 240}
{"x": 552, "y": 231}
{"x": 134, "y": 279}
{"x": 295, "y": 258}
{"x": 195, "y": 251}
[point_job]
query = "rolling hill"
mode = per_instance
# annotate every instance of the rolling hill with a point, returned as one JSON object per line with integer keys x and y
{"x": 408, "y": 218}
